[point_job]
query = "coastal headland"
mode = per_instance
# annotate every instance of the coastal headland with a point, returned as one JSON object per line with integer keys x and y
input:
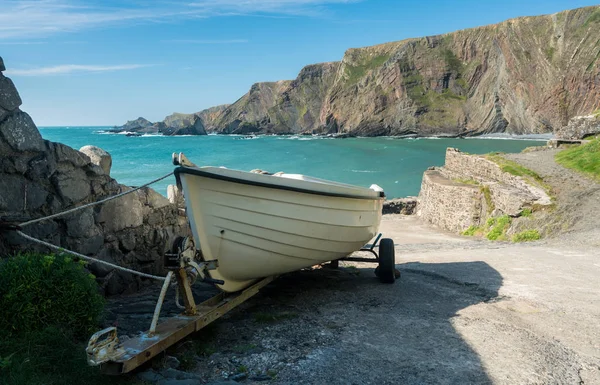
{"x": 522, "y": 76}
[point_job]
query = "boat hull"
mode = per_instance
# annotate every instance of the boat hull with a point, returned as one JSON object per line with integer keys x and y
{"x": 256, "y": 231}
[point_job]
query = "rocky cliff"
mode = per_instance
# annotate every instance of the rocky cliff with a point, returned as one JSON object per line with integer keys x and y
{"x": 175, "y": 124}
{"x": 39, "y": 178}
{"x": 525, "y": 75}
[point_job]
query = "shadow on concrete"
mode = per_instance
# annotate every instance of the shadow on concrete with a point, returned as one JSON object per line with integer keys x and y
{"x": 386, "y": 334}
{"x": 342, "y": 326}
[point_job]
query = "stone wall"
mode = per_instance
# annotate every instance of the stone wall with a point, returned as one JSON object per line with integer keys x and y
{"x": 39, "y": 178}
{"x": 450, "y": 205}
{"x": 469, "y": 189}
{"x": 579, "y": 128}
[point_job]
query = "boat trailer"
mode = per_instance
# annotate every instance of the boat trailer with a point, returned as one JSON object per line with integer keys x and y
{"x": 118, "y": 357}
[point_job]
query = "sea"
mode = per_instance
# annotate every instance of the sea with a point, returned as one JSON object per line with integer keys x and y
{"x": 395, "y": 164}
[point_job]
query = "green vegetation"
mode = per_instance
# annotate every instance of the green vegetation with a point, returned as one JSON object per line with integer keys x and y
{"x": 526, "y": 236}
{"x": 549, "y": 53}
{"x": 453, "y": 62}
{"x": 471, "y": 231}
{"x": 466, "y": 181}
{"x": 498, "y": 227}
{"x": 593, "y": 18}
{"x": 355, "y": 73}
{"x": 584, "y": 159}
{"x": 526, "y": 213}
{"x": 38, "y": 291}
{"x": 50, "y": 305}
{"x": 487, "y": 194}
{"x": 494, "y": 229}
{"x": 596, "y": 113}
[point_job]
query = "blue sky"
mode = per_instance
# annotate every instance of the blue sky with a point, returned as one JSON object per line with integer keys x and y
{"x": 104, "y": 62}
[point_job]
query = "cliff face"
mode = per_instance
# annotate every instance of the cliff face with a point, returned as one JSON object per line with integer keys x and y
{"x": 526, "y": 75}
{"x": 281, "y": 107}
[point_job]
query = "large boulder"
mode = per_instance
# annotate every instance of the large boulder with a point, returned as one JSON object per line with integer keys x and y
{"x": 579, "y": 127}
{"x": 99, "y": 157}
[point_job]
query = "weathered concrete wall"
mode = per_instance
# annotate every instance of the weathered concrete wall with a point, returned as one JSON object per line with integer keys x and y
{"x": 579, "y": 128}
{"x": 471, "y": 188}
{"x": 39, "y": 178}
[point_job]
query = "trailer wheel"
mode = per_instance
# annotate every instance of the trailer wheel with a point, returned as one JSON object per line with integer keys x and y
{"x": 386, "y": 271}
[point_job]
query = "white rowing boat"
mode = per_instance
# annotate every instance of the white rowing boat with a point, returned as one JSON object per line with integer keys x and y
{"x": 255, "y": 225}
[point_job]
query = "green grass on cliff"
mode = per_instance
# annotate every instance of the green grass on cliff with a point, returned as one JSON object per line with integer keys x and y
{"x": 355, "y": 73}
{"x": 526, "y": 236}
{"x": 584, "y": 159}
{"x": 596, "y": 113}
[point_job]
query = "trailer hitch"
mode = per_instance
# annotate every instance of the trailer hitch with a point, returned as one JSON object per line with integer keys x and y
{"x": 103, "y": 346}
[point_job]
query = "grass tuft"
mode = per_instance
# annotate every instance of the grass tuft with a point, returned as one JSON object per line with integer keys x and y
{"x": 526, "y": 213}
{"x": 498, "y": 228}
{"x": 584, "y": 159}
{"x": 526, "y": 236}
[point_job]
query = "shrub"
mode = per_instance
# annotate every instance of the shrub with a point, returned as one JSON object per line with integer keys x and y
{"x": 498, "y": 228}
{"x": 526, "y": 236}
{"x": 471, "y": 231}
{"x": 38, "y": 291}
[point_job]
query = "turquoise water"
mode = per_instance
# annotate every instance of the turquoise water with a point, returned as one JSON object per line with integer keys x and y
{"x": 397, "y": 165}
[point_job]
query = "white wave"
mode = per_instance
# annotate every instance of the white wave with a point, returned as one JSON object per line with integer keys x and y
{"x": 366, "y": 171}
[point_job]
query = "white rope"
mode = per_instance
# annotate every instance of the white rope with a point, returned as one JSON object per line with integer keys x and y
{"x": 60, "y": 249}
{"x": 93, "y": 203}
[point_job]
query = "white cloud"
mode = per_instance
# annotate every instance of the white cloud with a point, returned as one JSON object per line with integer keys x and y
{"x": 41, "y": 18}
{"x": 72, "y": 68}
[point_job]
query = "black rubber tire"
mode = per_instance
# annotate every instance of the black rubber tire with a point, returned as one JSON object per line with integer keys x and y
{"x": 386, "y": 271}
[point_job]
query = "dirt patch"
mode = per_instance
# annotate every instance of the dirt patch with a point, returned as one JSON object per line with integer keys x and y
{"x": 575, "y": 219}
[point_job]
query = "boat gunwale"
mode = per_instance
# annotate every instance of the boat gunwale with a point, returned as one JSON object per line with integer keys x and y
{"x": 198, "y": 172}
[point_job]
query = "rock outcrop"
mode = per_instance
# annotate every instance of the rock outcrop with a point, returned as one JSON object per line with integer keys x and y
{"x": 137, "y": 125}
{"x": 181, "y": 124}
{"x": 579, "y": 127}
{"x": 39, "y": 178}
{"x": 404, "y": 206}
{"x": 469, "y": 189}
{"x": 522, "y": 76}
{"x": 176, "y": 123}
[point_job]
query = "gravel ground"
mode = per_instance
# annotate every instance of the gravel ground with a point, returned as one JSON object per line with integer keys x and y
{"x": 464, "y": 311}
{"x": 460, "y": 313}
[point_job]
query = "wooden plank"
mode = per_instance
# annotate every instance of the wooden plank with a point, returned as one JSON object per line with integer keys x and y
{"x": 143, "y": 348}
